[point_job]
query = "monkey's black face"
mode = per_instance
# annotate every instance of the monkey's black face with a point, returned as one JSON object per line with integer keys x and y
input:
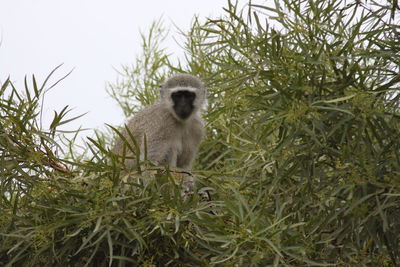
{"x": 183, "y": 103}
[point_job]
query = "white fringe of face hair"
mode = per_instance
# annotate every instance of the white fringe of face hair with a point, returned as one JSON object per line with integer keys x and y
{"x": 200, "y": 98}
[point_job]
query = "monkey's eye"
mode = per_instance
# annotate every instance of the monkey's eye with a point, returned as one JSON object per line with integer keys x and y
{"x": 183, "y": 95}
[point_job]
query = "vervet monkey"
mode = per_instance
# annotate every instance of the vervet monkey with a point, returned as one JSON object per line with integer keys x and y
{"x": 172, "y": 126}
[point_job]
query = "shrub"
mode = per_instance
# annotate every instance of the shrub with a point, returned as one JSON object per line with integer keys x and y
{"x": 301, "y": 160}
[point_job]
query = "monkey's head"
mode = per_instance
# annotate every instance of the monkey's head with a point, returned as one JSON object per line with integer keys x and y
{"x": 184, "y": 94}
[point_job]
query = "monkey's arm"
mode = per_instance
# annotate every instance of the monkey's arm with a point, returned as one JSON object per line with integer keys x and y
{"x": 185, "y": 161}
{"x": 162, "y": 147}
{"x": 191, "y": 145}
{"x": 163, "y": 154}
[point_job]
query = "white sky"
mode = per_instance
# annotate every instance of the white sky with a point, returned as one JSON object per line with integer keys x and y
{"x": 93, "y": 37}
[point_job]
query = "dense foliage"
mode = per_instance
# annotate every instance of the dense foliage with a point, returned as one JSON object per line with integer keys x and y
{"x": 301, "y": 160}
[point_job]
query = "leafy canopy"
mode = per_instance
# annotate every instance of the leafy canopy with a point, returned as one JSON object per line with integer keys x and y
{"x": 301, "y": 159}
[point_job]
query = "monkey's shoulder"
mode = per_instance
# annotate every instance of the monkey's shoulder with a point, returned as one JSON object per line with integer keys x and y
{"x": 153, "y": 120}
{"x": 149, "y": 114}
{"x": 198, "y": 124}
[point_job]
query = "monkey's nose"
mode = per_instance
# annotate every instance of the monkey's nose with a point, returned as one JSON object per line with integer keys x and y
{"x": 183, "y": 112}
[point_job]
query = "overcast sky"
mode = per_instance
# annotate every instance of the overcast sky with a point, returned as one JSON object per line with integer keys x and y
{"x": 93, "y": 37}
